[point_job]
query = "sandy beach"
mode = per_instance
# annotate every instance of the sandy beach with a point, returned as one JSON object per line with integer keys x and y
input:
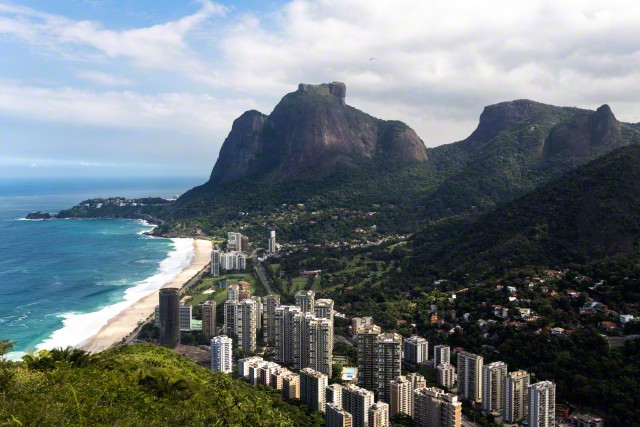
{"x": 121, "y": 325}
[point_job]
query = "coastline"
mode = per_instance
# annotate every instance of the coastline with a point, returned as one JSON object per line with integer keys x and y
{"x": 124, "y": 323}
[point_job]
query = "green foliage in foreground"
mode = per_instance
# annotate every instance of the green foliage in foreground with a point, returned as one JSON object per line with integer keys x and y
{"x": 138, "y": 385}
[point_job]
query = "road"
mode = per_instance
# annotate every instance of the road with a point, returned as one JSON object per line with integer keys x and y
{"x": 262, "y": 275}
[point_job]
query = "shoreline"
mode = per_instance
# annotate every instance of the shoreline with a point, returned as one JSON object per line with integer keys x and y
{"x": 120, "y": 326}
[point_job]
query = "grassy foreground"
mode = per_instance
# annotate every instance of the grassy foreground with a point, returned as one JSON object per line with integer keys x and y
{"x": 137, "y": 385}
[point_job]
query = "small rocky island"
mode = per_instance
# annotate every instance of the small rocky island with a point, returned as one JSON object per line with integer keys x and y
{"x": 39, "y": 215}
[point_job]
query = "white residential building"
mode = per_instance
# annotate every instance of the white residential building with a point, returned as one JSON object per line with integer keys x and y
{"x": 516, "y": 389}
{"x": 221, "y": 351}
{"x": 542, "y": 404}
{"x": 446, "y": 375}
{"x": 470, "y": 376}
{"x": 441, "y": 354}
{"x": 415, "y": 350}
{"x": 494, "y": 376}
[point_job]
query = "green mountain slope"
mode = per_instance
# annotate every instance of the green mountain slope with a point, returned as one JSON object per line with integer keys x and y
{"x": 139, "y": 385}
{"x": 517, "y": 146}
{"x": 316, "y": 150}
{"x": 588, "y": 214}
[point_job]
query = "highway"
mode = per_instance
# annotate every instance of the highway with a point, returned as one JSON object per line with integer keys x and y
{"x": 262, "y": 275}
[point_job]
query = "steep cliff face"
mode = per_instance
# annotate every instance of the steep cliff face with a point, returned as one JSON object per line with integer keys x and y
{"x": 312, "y": 133}
{"x": 585, "y": 134}
{"x": 505, "y": 115}
{"x": 242, "y": 148}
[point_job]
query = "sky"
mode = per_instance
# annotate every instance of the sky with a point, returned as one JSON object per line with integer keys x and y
{"x": 151, "y": 88}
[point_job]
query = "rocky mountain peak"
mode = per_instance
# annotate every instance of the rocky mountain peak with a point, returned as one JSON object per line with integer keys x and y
{"x": 312, "y": 133}
{"x": 604, "y": 125}
{"x": 337, "y": 89}
{"x": 498, "y": 117}
{"x": 584, "y": 134}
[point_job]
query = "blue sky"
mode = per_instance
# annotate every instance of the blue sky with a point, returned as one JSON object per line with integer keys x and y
{"x": 142, "y": 87}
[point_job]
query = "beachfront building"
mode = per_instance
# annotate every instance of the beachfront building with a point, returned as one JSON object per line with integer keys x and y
{"x": 415, "y": 349}
{"x": 271, "y": 302}
{"x": 221, "y": 352}
{"x": 357, "y": 401}
{"x": 446, "y": 375}
{"x": 306, "y": 301}
{"x": 209, "y": 319}
{"x": 542, "y": 404}
{"x": 441, "y": 354}
{"x": 367, "y": 347}
{"x": 169, "y": 313}
{"x": 379, "y": 415}
{"x": 470, "y": 376}
{"x": 493, "y": 379}
{"x": 434, "y": 408}
{"x": 516, "y": 388}
{"x": 215, "y": 263}
{"x": 313, "y": 386}
{"x": 389, "y": 363}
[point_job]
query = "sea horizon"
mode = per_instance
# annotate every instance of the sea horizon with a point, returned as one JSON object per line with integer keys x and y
{"x": 61, "y": 280}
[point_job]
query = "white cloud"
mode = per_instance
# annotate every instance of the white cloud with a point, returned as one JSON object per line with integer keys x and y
{"x": 105, "y": 79}
{"x": 437, "y": 63}
{"x": 195, "y": 114}
{"x": 162, "y": 46}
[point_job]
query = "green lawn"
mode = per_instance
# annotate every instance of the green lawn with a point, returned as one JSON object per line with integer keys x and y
{"x": 401, "y": 245}
{"x": 274, "y": 268}
{"x": 220, "y": 295}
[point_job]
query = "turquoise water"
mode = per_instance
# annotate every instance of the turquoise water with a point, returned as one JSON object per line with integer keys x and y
{"x": 60, "y": 280}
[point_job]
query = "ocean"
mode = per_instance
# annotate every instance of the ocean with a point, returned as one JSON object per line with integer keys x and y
{"x": 61, "y": 280}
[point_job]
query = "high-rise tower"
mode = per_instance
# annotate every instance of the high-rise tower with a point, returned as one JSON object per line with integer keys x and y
{"x": 169, "y": 317}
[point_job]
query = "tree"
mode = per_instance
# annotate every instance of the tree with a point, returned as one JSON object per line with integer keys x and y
{"x": 5, "y": 347}
{"x": 402, "y": 420}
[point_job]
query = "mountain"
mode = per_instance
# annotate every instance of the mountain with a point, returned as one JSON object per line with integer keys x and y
{"x": 517, "y": 146}
{"x": 589, "y": 214}
{"x": 133, "y": 385}
{"x": 311, "y": 132}
{"x": 314, "y": 149}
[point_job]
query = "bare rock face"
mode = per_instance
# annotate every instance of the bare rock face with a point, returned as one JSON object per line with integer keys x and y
{"x": 311, "y": 133}
{"x": 243, "y": 147}
{"x": 584, "y": 134}
{"x": 498, "y": 117}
